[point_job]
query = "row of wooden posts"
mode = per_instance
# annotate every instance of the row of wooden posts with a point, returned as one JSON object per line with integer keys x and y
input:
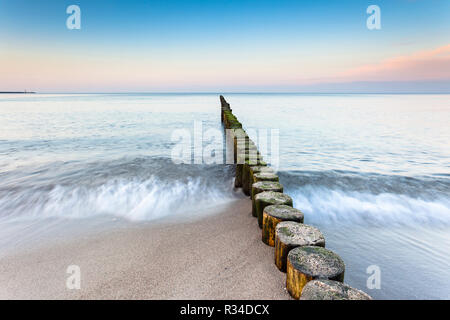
{"x": 312, "y": 272}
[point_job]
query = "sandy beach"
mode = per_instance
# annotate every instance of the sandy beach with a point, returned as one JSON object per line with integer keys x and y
{"x": 219, "y": 256}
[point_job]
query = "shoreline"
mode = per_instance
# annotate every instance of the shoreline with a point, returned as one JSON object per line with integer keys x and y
{"x": 219, "y": 256}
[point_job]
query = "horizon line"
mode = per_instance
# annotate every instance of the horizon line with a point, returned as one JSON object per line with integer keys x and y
{"x": 225, "y": 92}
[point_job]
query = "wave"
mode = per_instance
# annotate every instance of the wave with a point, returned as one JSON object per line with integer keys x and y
{"x": 149, "y": 188}
{"x": 369, "y": 199}
{"x": 135, "y": 189}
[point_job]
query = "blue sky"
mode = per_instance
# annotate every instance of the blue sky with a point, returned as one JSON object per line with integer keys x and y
{"x": 221, "y": 45}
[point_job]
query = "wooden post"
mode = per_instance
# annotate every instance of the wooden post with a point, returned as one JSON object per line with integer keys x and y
{"x": 249, "y": 154}
{"x": 290, "y": 235}
{"x": 240, "y": 140}
{"x": 242, "y": 156}
{"x": 238, "y": 177}
{"x": 309, "y": 263}
{"x": 230, "y": 121}
{"x": 263, "y": 186}
{"x": 261, "y": 167}
{"x": 331, "y": 290}
{"x": 265, "y": 176}
{"x": 223, "y": 106}
{"x": 268, "y": 198}
{"x": 272, "y": 215}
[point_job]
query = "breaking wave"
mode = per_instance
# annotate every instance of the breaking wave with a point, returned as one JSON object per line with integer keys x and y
{"x": 373, "y": 199}
{"x": 135, "y": 189}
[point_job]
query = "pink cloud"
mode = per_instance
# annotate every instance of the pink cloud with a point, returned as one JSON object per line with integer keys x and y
{"x": 425, "y": 65}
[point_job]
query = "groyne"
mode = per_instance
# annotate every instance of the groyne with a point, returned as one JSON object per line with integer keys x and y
{"x": 312, "y": 271}
{"x": 17, "y": 92}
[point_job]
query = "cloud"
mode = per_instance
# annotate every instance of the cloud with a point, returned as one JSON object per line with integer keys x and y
{"x": 45, "y": 70}
{"x": 425, "y": 65}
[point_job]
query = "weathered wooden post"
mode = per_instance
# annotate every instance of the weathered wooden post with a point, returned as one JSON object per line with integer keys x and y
{"x": 238, "y": 177}
{"x": 263, "y": 186}
{"x": 290, "y": 235}
{"x": 331, "y": 290}
{"x": 249, "y": 154}
{"x": 308, "y": 263}
{"x": 240, "y": 141}
{"x": 268, "y": 198}
{"x": 223, "y": 106}
{"x": 252, "y": 169}
{"x": 265, "y": 176}
{"x": 238, "y": 136}
{"x": 246, "y": 174}
{"x": 272, "y": 215}
{"x": 230, "y": 121}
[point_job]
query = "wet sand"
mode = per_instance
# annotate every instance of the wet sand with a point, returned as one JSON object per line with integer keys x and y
{"x": 220, "y": 256}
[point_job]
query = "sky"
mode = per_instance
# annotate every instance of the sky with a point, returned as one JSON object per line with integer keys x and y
{"x": 225, "y": 46}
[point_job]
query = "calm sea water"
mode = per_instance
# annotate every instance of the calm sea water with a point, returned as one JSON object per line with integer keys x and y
{"x": 371, "y": 171}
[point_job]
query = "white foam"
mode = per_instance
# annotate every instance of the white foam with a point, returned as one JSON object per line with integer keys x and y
{"x": 131, "y": 199}
{"x": 336, "y": 206}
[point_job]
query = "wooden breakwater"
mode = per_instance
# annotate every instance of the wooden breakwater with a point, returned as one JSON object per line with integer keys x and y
{"x": 17, "y": 92}
{"x": 312, "y": 271}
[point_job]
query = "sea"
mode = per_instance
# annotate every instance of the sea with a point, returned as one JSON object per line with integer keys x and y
{"x": 371, "y": 171}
